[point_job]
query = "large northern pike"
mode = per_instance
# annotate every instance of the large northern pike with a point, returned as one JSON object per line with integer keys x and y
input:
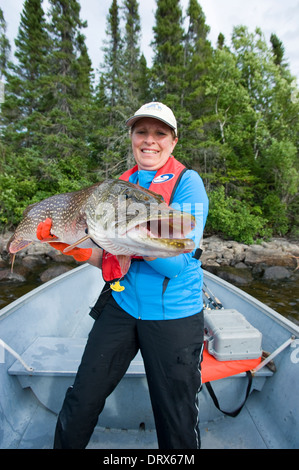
{"x": 120, "y": 217}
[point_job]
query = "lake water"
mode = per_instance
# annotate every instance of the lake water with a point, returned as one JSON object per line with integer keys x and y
{"x": 282, "y": 296}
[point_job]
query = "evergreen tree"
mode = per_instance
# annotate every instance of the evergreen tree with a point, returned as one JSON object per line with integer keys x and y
{"x": 4, "y": 46}
{"x": 198, "y": 52}
{"x": 131, "y": 55}
{"x": 68, "y": 64}
{"x": 168, "y": 62}
{"x": 112, "y": 68}
{"x": 278, "y": 49}
{"x": 144, "y": 81}
{"x": 46, "y": 110}
{"x": 65, "y": 124}
{"x": 220, "y": 41}
{"x": 110, "y": 137}
{"x": 198, "y": 56}
{"x": 4, "y": 57}
{"x": 136, "y": 74}
{"x": 24, "y": 90}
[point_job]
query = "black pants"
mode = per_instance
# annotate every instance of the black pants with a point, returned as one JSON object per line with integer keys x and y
{"x": 171, "y": 351}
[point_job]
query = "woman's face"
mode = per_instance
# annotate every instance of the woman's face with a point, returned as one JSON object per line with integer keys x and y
{"x": 152, "y": 143}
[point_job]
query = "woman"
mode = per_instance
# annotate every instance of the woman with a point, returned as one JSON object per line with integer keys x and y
{"x": 158, "y": 312}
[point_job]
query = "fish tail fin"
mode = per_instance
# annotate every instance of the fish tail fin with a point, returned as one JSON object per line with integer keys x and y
{"x": 14, "y": 245}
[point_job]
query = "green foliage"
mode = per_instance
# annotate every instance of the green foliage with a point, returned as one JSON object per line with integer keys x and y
{"x": 234, "y": 219}
{"x": 237, "y": 109}
{"x": 18, "y": 186}
{"x": 276, "y": 212}
{"x": 168, "y": 80}
{"x": 4, "y": 45}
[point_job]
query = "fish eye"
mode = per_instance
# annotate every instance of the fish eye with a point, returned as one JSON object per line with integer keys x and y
{"x": 125, "y": 193}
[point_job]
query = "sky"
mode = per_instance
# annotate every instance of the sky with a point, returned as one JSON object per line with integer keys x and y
{"x": 272, "y": 16}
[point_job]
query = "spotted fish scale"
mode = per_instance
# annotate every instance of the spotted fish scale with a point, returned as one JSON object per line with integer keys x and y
{"x": 67, "y": 212}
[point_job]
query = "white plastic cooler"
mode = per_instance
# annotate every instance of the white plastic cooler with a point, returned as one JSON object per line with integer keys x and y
{"x": 229, "y": 336}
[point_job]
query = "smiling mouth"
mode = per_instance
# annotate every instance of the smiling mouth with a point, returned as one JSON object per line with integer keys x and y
{"x": 153, "y": 152}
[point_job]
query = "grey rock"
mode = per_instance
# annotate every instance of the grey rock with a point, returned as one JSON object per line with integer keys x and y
{"x": 240, "y": 276}
{"x": 53, "y": 272}
{"x": 32, "y": 261}
{"x": 7, "y": 275}
{"x": 276, "y": 273}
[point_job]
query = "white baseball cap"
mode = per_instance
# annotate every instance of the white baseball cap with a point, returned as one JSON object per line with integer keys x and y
{"x": 157, "y": 111}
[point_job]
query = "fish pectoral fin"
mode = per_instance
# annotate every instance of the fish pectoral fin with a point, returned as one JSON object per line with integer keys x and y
{"x": 49, "y": 240}
{"x": 124, "y": 263}
{"x": 70, "y": 247}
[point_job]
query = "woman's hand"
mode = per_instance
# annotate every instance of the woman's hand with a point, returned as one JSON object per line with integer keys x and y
{"x": 43, "y": 233}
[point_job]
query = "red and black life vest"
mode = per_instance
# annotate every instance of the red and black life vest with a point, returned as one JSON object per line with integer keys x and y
{"x": 165, "y": 183}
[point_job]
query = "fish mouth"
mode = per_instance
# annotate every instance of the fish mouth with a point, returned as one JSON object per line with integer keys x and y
{"x": 162, "y": 228}
{"x": 165, "y": 233}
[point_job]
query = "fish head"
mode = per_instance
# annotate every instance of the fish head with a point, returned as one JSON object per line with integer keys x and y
{"x": 124, "y": 218}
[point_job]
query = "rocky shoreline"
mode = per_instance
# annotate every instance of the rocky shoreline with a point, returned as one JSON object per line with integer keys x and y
{"x": 276, "y": 259}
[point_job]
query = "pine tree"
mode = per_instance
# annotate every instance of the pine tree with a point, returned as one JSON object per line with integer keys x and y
{"x": 198, "y": 50}
{"x": 131, "y": 53}
{"x": 110, "y": 138}
{"x": 4, "y": 57}
{"x": 68, "y": 98}
{"x": 24, "y": 90}
{"x": 136, "y": 82}
{"x": 136, "y": 74}
{"x": 4, "y": 46}
{"x": 111, "y": 69}
{"x": 47, "y": 109}
{"x": 20, "y": 167}
{"x": 69, "y": 65}
{"x": 220, "y": 41}
{"x": 198, "y": 56}
{"x": 168, "y": 62}
{"x": 144, "y": 81}
{"x": 278, "y": 49}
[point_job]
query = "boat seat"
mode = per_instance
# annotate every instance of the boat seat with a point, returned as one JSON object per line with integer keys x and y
{"x": 58, "y": 356}
{"x": 55, "y": 356}
{"x": 55, "y": 360}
